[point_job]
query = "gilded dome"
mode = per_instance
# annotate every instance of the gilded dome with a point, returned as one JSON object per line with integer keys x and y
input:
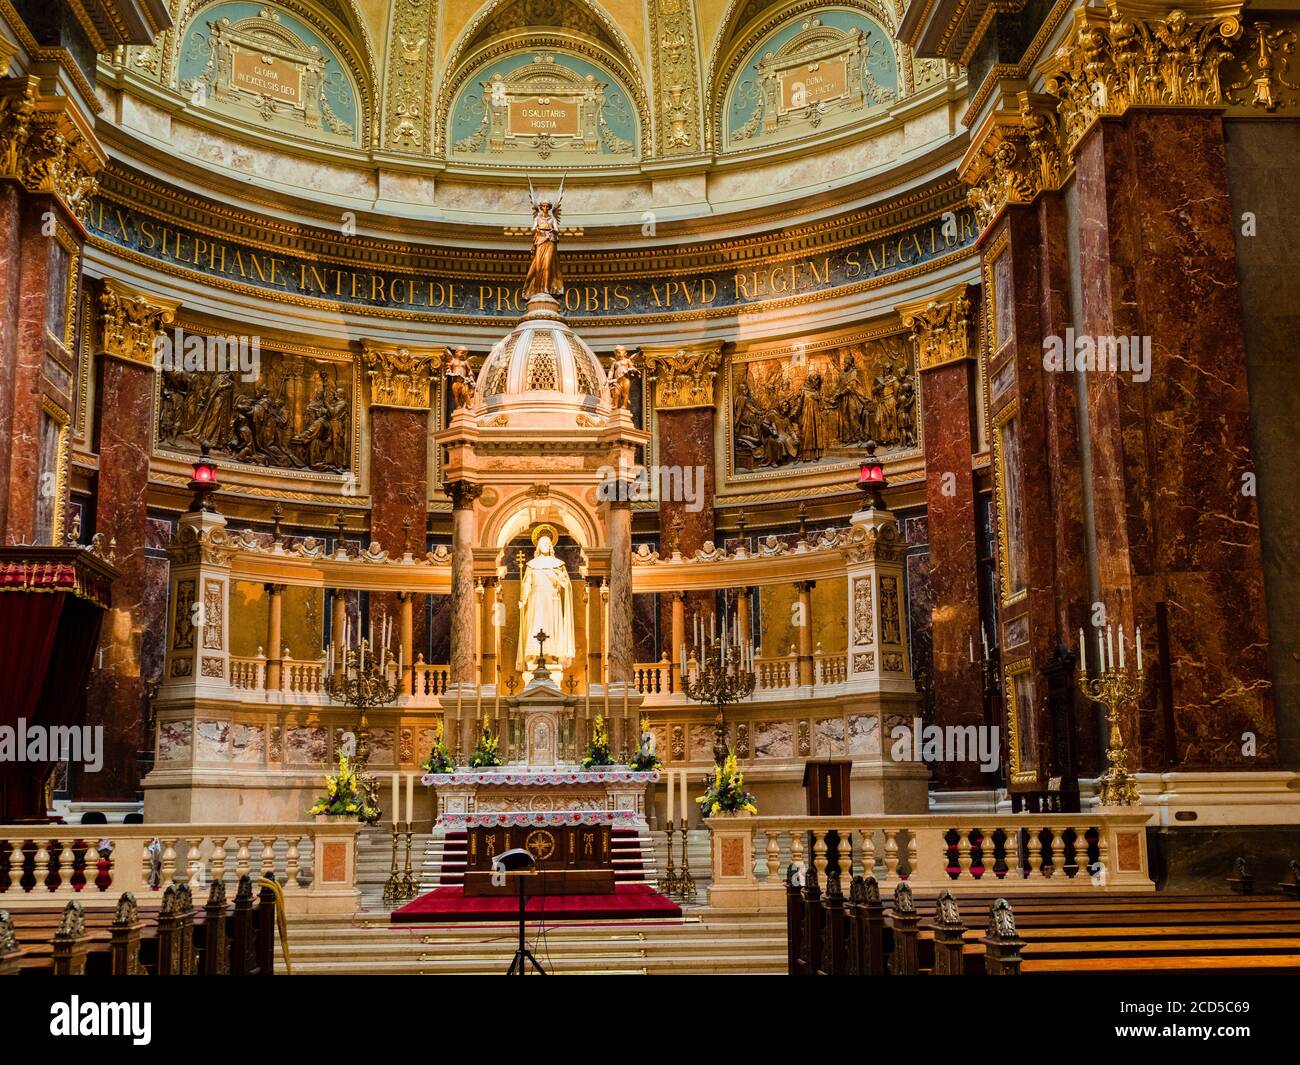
{"x": 542, "y": 363}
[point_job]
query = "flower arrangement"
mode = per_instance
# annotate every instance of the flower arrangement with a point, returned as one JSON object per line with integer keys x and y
{"x": 727, "y": 793}
{"x": 485, "y": 753}
{"x": 598, "y": 752}
{"x": 646, "y": 759}
{"x": 346, "y": 795}
{"x": 439, "y": 760}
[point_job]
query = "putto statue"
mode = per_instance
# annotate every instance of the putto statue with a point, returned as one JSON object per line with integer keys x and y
{"x": 461, "y": 375}
{"x": 622, "y": 368}
{"x": 544, "y": 271}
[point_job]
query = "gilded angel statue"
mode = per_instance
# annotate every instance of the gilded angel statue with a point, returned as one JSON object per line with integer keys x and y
{"x": 544, "y": 271}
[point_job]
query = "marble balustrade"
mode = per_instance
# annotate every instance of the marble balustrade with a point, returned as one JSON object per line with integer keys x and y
{"x": 315, "y": 863}
{"x": 1033, "y": 853}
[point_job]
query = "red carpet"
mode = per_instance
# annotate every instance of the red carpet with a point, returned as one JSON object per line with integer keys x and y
{"x": 450, "y": 904}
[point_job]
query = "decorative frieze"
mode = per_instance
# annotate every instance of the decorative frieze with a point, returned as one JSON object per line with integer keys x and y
{"x": 672, "y": 33}
{"x": 409, "y": 79}
{"x": 400, "y": 376}
{"x": 46, "y": 146}
{"x": 130, "y": 321}
{"x": 941, "y": 328}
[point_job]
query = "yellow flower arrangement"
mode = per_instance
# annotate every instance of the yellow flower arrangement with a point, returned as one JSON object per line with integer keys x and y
{"x": 727, "y": 792}
{"x": 345, "y": 794}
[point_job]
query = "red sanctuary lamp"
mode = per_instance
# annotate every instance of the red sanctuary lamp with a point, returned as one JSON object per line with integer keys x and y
{"x": 204, "y": 483}
{"x": 871, "y": 478}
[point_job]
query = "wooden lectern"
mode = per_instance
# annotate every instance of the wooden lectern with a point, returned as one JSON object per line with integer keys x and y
{"x": 826, "y": 788}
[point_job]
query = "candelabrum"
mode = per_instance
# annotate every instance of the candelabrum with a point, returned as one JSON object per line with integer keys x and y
{"x": 400, "y": 885}
{"x": 1114, "y": 687}
{"x": 361, "y": 681}
{"x": 685, "y": 882}
{"x": 670, "y": 885}
{"x": 724, "y": 675}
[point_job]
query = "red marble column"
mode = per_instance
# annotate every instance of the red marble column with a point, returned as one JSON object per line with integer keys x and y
{"x": 1177, "y": 538}
{"x": 686, "y": 441}
{"x": 1025, "y": 258}
{"x": 115, "y": 697}
{"x": 399, "y": 492}
{"x": 10, "y": 286}
{"x": 946, "y": 406}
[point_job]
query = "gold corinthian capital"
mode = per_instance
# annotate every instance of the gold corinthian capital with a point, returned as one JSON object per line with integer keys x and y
{"x": 129, "y": 321}
{"x": 940, "y": 327}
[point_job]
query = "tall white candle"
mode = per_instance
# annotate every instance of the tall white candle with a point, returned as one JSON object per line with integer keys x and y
{"x": 1121, "y": 647}
{"x": 1101, "y": 653}
{"x": 970, "y": 648}
{"x": 395, "y": 810}
{"x": 1083, "y": 653}
{"x": 410, "y": 797}
{"x": 1137, "y": 641}
{"x": 1110, "y": 649}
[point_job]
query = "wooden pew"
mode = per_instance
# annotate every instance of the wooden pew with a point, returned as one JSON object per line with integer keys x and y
{"x": 866, "y": 921}
{"x": 903, "y": 920}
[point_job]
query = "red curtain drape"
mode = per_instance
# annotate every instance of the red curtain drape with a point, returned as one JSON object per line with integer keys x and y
{"x": 29, "y": 627}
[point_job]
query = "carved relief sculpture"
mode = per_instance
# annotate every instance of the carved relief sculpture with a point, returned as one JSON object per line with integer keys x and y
{"x": 802, "y": 408}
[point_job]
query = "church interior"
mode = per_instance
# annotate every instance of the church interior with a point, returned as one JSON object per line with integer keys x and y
{"x": 562, "y": 468}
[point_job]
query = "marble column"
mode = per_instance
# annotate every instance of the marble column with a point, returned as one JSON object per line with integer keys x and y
{"x": 685, "y": 423}
{"x": 942, "y": 332}
{"x": 127, "y": 323}
{"x": 401, "y": 397}
{"x": 274, "y": 639}
{"x": 1178, "y": 546}
{"x": 406, "y": 637}
{"x": 339, "y": 623}
{"x": 618, "y": 532}
{"x": 678, "y": 630}
{"x": 463, "y": 603}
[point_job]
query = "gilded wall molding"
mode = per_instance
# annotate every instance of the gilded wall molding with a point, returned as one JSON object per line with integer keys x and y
{"x": 1140, "y": 54}
{"x": 941, "y": 328}
{"x": 684, "y": 377}
{"x": 45, "y": 145}
{"x": 409, "y": 76}
{"x": 674, "y": 55}
{"x": 1014, "y": 155}
{"x": 400, "y": 376}
{"x": 129, "y": 322}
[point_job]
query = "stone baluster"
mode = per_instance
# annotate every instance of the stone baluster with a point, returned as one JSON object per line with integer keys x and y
{"x": 773, "y": 855}
{"x": 194, "y": 862}
{"x": 1012, "y": 848}
{"x": 868, "y": 851}
{"x": 819, "y": 854}
{"x": 291, "y": 857}
{"x": 268, "y": 856}
{"x": 167, "y": 866}
{"x": 912, "y": 855}
{"x": 963, "y": 853}
{"x": 41, "y": 869}
{"x": 15, "y": 866}
{"x": 796, "y": 848}
{"x": 64, "y": 866}
{"x": 891, "y": 854}
{"x": 146, "y": 863}
{"x": 1035, "y": 845}
{"x": 844, "y": 855}
{"x": 219, "y": 858}
{"x": 1103, "y": 853}
{"x": 1058, "y": 854}
{"x": 242, "y": 857}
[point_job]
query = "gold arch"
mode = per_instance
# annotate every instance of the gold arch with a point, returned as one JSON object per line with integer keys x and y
{"x": 512, "y": 517}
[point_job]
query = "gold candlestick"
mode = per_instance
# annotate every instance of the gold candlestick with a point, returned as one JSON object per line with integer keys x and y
{"x": 669, "y": 886}
{"x": 1115, "y": 688}
{"x": 408, "y": 881}
{"x": 684, "y": 878}
{"x": 393, "y": 885}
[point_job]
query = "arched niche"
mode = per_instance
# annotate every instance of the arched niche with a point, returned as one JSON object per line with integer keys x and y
{"x": 514, "y": 515}
{"x": 795, "y": 71}
{"x": 510, "y": 33}
{"x": 287, "y": 68}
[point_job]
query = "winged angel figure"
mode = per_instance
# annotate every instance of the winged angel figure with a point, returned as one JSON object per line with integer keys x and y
{"x": 544, "y": 271}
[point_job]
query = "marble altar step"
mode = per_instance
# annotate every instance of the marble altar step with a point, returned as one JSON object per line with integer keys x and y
{"x": 705, "y": 944}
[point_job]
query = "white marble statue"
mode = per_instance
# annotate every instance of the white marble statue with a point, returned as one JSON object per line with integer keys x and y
{"x": 545, "y": 603}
